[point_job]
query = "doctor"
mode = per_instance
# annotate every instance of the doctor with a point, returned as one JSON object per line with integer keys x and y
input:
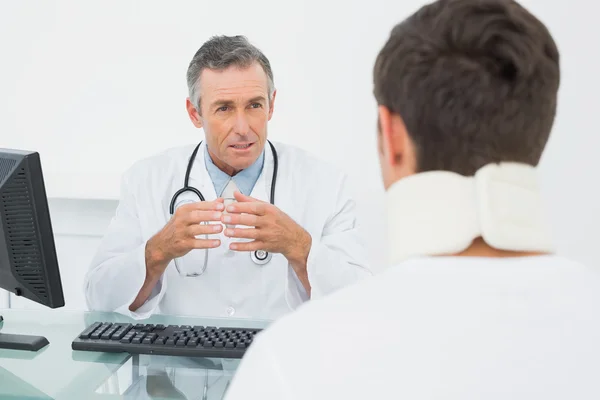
{"x": 235, "y": 225}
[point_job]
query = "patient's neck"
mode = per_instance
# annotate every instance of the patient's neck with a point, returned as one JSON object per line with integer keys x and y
{"x": 479, "y": 248}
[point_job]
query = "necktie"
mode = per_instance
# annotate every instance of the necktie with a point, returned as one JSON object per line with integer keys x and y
{"x": 228, "y": 195}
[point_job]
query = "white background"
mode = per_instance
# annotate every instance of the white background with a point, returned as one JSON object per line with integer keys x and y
{"x": 95, "y": 85}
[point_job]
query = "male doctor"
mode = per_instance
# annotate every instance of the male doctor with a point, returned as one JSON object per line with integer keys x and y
{"x": 235, "y": 226}
{"x": 475, "y": 306}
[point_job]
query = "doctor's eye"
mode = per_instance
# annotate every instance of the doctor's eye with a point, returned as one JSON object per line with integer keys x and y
{"x": 255, "y": 105}
{"x": 223, "y": 108}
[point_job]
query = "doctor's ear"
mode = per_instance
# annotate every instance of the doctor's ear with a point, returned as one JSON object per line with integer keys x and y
{"x": 193, "y": 113}
{"x": 272, "y": 104}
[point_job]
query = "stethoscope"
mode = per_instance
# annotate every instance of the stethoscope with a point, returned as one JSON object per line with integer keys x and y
{"x": 259, "y": 257}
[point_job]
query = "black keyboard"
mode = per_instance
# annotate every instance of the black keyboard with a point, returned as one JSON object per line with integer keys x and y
{"x": 170, "y": 340}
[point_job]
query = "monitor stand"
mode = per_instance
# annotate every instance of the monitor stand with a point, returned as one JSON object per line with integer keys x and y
{"x": 21, "y": 342}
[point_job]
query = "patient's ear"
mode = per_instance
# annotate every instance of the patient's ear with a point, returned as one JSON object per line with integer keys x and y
{"x": 396, "y": 147}
{"x": 386, "y": 138}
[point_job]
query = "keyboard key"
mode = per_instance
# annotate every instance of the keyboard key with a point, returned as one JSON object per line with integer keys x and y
{"x": 126, "y": 339}
{"x": 160, "y": 340}
{"x": 193, "y": 342}
{"x": 230, "y": 345}
{"x": 148, "y": 328}
{"x": 98, "y": 332}
{"x": 198, "y": 328}
{"x": 118, "y": 335}
{"x": 159, "y": 327}
{"x": 139, "y": 326}
{"x": 185, "y": 327}
{"x": 109, "y": 332}
{"x": 181, "y": 341}
{"x": 148, "y": 340}
{"x": 170, "y": 342}
{"x": 89, "y": 330}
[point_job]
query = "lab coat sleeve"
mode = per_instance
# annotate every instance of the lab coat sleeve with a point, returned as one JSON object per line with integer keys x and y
{"x": 259, "y": 376}
{"x": 118, "y": 270}
{"x": 338, "y": 257}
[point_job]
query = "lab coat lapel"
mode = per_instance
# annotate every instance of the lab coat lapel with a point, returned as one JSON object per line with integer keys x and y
{"x": 262, "y": 188}
{"x": 199, "y": 177}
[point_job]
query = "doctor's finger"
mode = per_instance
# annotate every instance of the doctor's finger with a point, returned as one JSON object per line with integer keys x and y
{"x": 205, "y": 243}
{"x": 248, "y": 246}
{"x": 197, "y": 216}
{"x": 242, "y": 233}
{"x": 240, "y": 197}
{"x": 255, "y": 208}
{"x": 216, "y": 205}
{"x": 241, "y": 219}
{"x": 204, "y": 229}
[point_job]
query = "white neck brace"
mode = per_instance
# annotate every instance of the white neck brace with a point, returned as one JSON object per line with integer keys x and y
{"x": 440, "y": 212}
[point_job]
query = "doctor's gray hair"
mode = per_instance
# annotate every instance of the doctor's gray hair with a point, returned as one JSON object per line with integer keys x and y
{"x": 222, "y": 52}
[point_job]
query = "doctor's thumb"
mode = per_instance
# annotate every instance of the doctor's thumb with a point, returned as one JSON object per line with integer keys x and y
{"x": 239, "y": 196}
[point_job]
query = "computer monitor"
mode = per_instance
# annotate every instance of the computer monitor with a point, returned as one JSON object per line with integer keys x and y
{"x": 28, "y": 262}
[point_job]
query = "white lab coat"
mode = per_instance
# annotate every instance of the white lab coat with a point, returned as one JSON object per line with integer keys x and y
{"x": 310, "y": 191}
{"x": 438, "y": 328}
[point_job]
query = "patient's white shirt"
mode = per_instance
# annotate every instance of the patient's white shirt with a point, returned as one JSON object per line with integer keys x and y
{"x": 438, "y": 328}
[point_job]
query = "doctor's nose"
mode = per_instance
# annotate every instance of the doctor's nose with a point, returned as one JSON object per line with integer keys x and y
{"x": 241, "y": 127}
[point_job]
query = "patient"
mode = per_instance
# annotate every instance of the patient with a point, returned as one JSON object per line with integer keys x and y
{"x": 475, "y": 304}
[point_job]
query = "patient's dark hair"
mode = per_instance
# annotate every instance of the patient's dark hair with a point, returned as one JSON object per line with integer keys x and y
{"x": 475, "y": 82}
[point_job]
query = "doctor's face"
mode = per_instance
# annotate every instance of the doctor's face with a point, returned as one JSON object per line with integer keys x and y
{"x": 234, "y": 112}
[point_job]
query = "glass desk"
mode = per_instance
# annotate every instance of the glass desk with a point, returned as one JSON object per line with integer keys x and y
{"x": 58, "y": 372}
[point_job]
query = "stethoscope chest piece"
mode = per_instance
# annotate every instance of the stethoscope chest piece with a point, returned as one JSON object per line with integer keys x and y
{"x": 260, "y": 257}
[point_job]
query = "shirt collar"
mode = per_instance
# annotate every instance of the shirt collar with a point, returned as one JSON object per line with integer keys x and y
{"x": 244, "y": 180}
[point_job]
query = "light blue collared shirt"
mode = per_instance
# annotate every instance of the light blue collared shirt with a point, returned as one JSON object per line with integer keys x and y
{"x": 244, "y": 180}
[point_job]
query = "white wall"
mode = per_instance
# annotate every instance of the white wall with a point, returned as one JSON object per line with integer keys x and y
{"x": 96, "y": 85}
